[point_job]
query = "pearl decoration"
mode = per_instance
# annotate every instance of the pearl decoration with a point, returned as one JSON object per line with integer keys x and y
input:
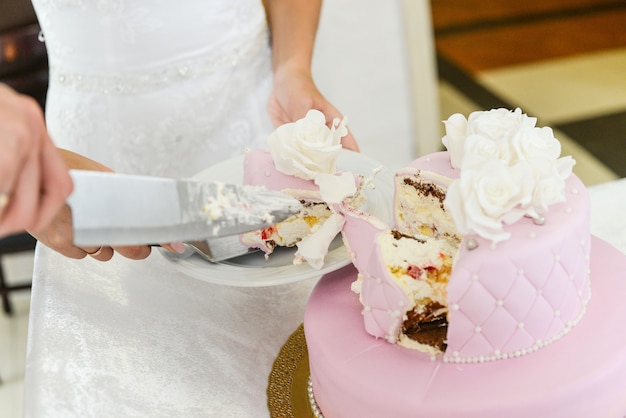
{"x": 317, "y": 413}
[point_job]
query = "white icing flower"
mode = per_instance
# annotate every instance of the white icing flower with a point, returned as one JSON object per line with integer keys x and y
{"x": 479, "y": 149}
{"x": 307, "y": 146}
{"x": 497, "y": 126}
{"x": 492, "y": 149}
{"x": 487, "y": 196}
{"x": 550, "y": 178}
{"x": 454, "y": 140}
{"x": 534, "y": 143}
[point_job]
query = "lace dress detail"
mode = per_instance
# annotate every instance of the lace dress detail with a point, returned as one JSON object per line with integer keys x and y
{"x": 155, "y": 88}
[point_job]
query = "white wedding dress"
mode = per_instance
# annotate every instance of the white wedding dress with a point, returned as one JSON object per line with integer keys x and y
{"x": 157, "y": 87}
{"x": 166, "y": 88}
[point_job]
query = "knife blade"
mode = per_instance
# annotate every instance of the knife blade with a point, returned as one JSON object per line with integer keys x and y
{"x": 121, "y": 209}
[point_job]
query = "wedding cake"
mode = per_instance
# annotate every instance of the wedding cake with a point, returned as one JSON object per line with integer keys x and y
{"x": 475, "y": 303}
{"x": 301, "y": 162}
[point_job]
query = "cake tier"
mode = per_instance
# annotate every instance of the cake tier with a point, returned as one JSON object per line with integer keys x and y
{"x": 581, "y": 375}
{"x": 504, "y": 300}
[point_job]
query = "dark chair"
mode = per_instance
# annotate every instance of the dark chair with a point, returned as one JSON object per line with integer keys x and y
{"x": 24, "y": 67}
{"x": 13, "y": 244}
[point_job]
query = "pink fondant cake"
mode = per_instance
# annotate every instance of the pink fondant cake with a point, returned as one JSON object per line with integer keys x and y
{"x": 502, "y": 300}
{"x": 582, "y": 375}
{"x": 475, "y": 302}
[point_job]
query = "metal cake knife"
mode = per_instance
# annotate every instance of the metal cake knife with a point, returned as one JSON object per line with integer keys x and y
{"x": 120, "y": 209}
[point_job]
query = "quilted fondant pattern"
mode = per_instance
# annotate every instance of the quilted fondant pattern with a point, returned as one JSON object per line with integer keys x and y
{"x": 515, "y": 298}
{"x": 504, "y": 301}
{"x": 384, "y": 303}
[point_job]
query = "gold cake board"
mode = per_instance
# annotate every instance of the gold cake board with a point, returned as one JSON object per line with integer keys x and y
{"x": 287, "y": 384}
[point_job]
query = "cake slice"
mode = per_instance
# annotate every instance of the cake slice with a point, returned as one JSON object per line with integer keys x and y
{"x": 260, "y": 170}
{"x": 301, "y": 162}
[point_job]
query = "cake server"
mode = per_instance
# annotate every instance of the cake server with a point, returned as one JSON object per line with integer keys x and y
{"x": 120, "y": 209}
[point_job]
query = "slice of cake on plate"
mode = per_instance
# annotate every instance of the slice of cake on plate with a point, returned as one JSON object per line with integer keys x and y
{"x": 301, "y": 162}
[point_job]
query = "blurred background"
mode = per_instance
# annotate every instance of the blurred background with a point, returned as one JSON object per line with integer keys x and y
{"x": 396, "y": 69}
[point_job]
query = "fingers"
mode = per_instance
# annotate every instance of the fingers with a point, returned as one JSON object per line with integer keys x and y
{"x": 22, "y": 200}
{"x": 14, "y": 138}
{"x": 101, "y": 253}
{"x": 105, "y": 253}
{"x": 19, "y": 171}
{"x": 34, "y": 182}
{"x": 56, "y": 184}
{"x": 137, "y": 252}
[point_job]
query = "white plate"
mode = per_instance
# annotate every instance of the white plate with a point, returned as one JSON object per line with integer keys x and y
{"x": 253, "y": 270}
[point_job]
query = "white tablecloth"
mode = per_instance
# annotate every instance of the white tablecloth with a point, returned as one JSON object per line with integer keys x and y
{"x": 129, "y": 338}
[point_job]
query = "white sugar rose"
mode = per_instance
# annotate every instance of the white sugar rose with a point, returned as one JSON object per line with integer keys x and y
{"x": 479, "y": 149}
{"x": 496, "y": 126}
{"x": 530, "y": 143}
{"x": 307, "y": 146}
{"x": 488, "y": 196}
{"x": 509, "y": 168}
{"x": 454, "y": 139}
{"x": 550, "y": 176}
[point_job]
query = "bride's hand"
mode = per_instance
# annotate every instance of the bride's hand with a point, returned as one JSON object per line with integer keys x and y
{"x": 58, "y": 235}
{"x": 294, "y": 94}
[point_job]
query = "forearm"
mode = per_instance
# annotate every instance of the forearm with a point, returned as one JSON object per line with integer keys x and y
{"x": 293, "y": 25}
